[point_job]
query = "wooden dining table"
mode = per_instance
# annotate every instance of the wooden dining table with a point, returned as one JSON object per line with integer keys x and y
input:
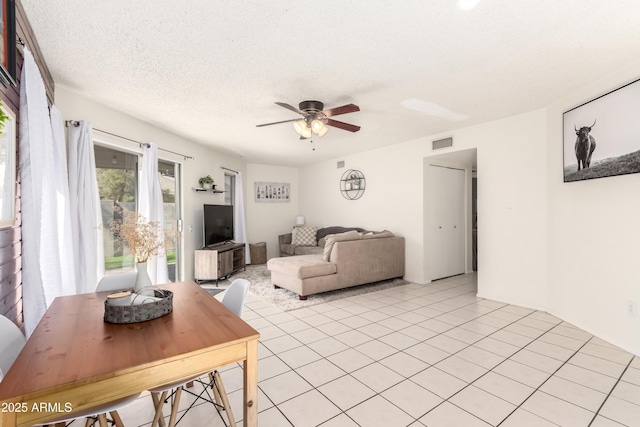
{"x": 74, "y": 360}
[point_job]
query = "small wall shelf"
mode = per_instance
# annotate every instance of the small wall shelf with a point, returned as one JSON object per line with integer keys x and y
{"x": 352, "y": 184}
{"x": 213, "y": 190}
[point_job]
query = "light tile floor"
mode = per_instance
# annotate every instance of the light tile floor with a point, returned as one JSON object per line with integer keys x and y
{"x": 425, "y": 355}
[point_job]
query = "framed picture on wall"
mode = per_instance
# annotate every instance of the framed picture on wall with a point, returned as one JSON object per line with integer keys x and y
{"x": 602, "y": 137}
{"x": 8, "y": 43}
{"x": 272, "y": 192}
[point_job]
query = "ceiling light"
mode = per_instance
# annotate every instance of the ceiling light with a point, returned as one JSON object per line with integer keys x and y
{"x": 432, "y": 109}
{"x": 323, "y": 130}
{"x": 468, "y": 4}
{"x": 316, "y": 126}
{"x": 299, "y": 125}
{"x": 306, "y": 132}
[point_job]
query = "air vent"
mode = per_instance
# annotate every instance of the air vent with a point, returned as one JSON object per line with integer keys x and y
{"x": 340, "y": 164}
{"x": 442, "y": 143}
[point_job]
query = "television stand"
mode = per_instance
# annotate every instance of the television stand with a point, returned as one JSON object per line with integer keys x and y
{"x": 218, "y": 261}
{"x": 220, "y": 247}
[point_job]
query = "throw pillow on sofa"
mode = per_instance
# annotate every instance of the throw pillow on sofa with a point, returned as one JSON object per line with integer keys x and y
{"x": 306, "y": 236}
{"x": 331, "y": 239}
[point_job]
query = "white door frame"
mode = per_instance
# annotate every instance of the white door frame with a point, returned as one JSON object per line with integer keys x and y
{"x": 464, "y": 159}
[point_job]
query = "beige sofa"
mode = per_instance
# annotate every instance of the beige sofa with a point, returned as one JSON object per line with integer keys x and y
{"x": 350, "y": 259}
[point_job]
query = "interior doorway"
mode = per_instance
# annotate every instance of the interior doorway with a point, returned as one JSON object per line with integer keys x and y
{"x": 447, "y": 189}
{"x": 457, "y": 240}
{"x": 474, "y": 219}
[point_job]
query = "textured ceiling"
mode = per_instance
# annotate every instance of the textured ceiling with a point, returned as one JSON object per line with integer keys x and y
{"x": 212, "y": 70}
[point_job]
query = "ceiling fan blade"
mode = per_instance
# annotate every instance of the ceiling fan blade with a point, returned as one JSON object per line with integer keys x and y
{"x": 349, "y": 108}
{"x": 277, "y": 123}
{"x": 343, "y": 125}
{"x": 290, "y": 107}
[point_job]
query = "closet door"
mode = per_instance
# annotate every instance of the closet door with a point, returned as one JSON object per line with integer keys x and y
{"x": 448, "y": 225}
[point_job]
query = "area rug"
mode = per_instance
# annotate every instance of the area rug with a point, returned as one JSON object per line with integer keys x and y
{"x": 262, "y": 287}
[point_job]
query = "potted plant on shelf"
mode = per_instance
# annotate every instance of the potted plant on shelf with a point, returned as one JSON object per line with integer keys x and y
{"x": 206, "y": 182}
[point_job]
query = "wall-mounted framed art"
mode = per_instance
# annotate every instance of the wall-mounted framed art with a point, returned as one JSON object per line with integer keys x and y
{"x": 601, "y": 137}
{"x": 8, "y": 42}
{"x": 272, "y": 192}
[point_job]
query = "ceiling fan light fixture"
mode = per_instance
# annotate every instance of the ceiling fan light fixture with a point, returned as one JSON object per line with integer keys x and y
{"x": 316, "y": 120}
{"x": 299, "y": 126}
{"x": 323, "y": 130}
{"x": 316, "y": 126}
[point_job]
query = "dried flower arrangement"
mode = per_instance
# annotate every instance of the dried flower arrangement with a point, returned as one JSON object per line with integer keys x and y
{"x": 143, "y": 238}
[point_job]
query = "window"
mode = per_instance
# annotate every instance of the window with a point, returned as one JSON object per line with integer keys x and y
{"x": 229, "y": 189}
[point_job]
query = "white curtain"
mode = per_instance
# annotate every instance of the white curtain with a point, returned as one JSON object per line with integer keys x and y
{"x": 65, "y": 246}
{"x": 41, "y": 275}
{"x": 240, "y": 226}
{"x": 151, "y": 206}
{"x": 86, "y": 215}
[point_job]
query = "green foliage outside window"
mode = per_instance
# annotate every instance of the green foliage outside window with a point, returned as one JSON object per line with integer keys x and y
{"x": 111, "y": 263}
{"x": 117, "y": 184}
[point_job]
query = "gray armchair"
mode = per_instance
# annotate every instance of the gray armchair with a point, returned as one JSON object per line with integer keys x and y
{"x": 286, "y": 247}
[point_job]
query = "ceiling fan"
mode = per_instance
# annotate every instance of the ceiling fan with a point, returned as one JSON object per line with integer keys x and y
{"x": 315, "y": 119}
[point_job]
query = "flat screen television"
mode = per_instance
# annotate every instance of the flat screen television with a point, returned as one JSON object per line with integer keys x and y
{"x": 218, "y": 224}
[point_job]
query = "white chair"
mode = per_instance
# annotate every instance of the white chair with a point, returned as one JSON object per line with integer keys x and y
{"x": 236, "y": 294}
{"x": 234, "y": 301}
{"x": 12, "y": 341}
{"x": 117, "y": 282}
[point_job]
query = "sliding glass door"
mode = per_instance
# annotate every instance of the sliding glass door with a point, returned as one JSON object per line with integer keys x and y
{"x": 169, "y": 174}
{"x": 117, "y": 173}
{"x": 118, "y": 179}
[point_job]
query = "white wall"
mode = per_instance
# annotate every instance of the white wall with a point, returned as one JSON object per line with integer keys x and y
{"x": 207, "y": 161}
{"x": 512, "y": 208}
{"x": 265, "y": 221}
{"x": 594, "y": 235}
{"x": 392, "y": 199}
{"x": 511, "y": 202}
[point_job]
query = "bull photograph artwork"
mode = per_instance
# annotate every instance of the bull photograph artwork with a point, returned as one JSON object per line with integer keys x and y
{"x": 601, "y": 137}
{"x": 585, "y": 144}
